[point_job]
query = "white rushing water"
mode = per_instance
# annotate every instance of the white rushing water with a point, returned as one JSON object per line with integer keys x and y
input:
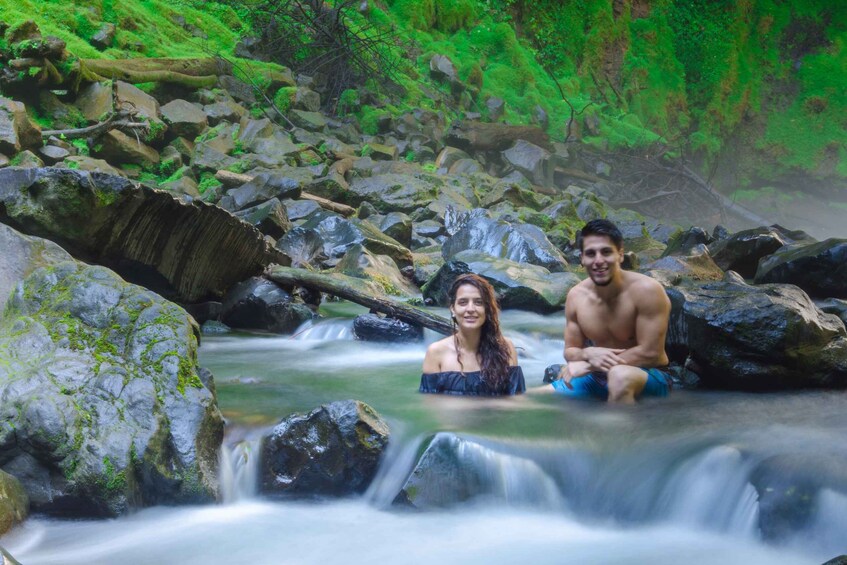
{"x": 666, "y": 481}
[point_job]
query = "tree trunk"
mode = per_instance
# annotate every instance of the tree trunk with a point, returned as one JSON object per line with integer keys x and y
{"x": 356, "y": 290}
{"x": 192, "y": 73}
{"x": 478, "y": 136}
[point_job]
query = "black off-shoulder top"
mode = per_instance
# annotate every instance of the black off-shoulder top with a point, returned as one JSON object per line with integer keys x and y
{"x": 470, "y": 383}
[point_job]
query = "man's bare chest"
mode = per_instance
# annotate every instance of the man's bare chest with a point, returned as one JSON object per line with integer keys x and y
{"x": 608, "y": 325}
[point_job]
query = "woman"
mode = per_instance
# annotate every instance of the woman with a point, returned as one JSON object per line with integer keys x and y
{"x": 476, "y": 359}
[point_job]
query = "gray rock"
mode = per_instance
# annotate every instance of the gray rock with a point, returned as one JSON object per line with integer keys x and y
{"x": 224, "y": 111}
{"x": 238, "y": 89}
{"x": 742, "y": 251}
{"x": 309, "y": 121}
{"x": 763, "y": 337}
{"x": 206, "y": 158}
{"x": 697, "y": 265}
{"x": 17, "y": 132}
{"x": 380, "y": 269}
{"x": 371, "y": 327}
{"x": 682, "y": 242}
{"x": 94, "y": 101}
{"x": 818, "y": 268}
{"x": 104, "y": 37}
{"x": 262, "y": 188}
{"x": 392, "y": 192}
{"x": 260, "y": 304}
{"x": 833, "y": 306}
{"x": 139, "y": 103}
{"x": 299, "y": 209}
{"x": 531, "y": 160}
{"x": 496, "y": 107}
{"x": 448, "y": 156}
{"x": 397, "y": 225}
{"x": 442, "y": 68}
{"x": 103, "y": 407}
{"x": 118, "y": 147}
{"x": 184, "y": 118}
{"x": 518, "y": 286}
{"x": 521, "y": 243}
{"x": 52, "y": 154}
{"x": 270, "y": 218}
{"x": 304, "y": 246}
{"x": 465, "y": 167}
{"x": 92, "y": 165}
{"x": 306, "y": 99}
{"x": 333, "y": 450}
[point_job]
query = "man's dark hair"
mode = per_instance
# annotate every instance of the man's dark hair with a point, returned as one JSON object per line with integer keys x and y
{"x": 600, "y": 227}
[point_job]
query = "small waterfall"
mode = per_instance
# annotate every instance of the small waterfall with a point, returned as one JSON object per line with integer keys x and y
{"x": 239, "y": 470}
{"x": 325, "y": 330}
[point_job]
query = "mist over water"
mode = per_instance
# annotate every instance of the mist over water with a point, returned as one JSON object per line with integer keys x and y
{"x": 665, "y": 481}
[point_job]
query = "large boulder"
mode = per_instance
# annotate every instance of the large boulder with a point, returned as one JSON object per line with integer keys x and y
{"x": 14, "y": 503}
{"x": 261, "y": 188}
{"x": 521, "y": 243}
{"x": 304, "y": 246}
{"x": 518, "y": 286}
{"x": 818, "y": 268}
{"x": 103, "y": 405}
{"x": 742, "y": 251}
{"x": 270, "y": 218}
{"x": 189, "y": 251}
{"x": 260, "y": 304}
{"x": 118, "y": 147}
{"x": 392, "y": 192}
{"x": 764, "y": 337}
{"x": 333, "y": 450}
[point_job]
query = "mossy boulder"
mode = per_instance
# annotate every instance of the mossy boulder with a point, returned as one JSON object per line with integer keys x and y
{"x": 17, "y": 132}
{"x": 103, "y": 405}
{"x": 333, "y": 450}
{"x": 14, "y": 503}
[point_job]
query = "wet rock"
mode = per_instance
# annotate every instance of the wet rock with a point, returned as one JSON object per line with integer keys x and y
{"x": 521, "y": 243}
{"x": 17, "y": 132}
{"x": 213, "y": 327}
{"x": 191, "y": 251}
{"x": 14, "y": 503}
{"x": 360, "y": 263}
{"x": 261, "y": 188}
{"x": 397, "y": 225}
{"x": 260, "y": 304}
{"x": 339, "y": 234}
{"x": 104, "y": 409}
{"x": 371, "y": 327}
{"x": 763, "y": 337}
{"x": 742, "y": 251}
{"x": 332, "y": 450}
{"x": 270, "y": 218}
{"x": 304, "y": 246}
{"x": 818, "y": 268}
{"x": 429, "y": 228}
{"x": 834, "y": 306}
{"x": 518, "y": 286}
{"x": 184, "y": 118}
{"x": 299, "y": 209}
{"x": 682, "y": 242}
{"x": 551, "y": 373}
{"x": 391, "y": 192}
{"x": 697, "y": 265}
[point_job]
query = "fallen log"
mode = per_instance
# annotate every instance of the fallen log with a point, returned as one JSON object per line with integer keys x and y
{"x": 358, "y": 291}
{"x": 479, "y": 136}
{"x": 228, "y": 178}
{"x": 192, "y": 73}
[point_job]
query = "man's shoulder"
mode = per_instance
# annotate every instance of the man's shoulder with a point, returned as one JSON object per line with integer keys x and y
{"x": 644, "y": 288}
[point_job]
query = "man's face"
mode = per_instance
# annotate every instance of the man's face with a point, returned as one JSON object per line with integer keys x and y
{"x": 601, "y": 259}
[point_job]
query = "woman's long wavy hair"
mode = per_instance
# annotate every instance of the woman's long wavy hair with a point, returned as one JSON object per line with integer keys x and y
{"x": 493, "y": 349}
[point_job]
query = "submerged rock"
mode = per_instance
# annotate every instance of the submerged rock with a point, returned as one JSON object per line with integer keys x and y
{"x": 333, "y": 450}
{"x": 103, "y": 406}
{"x": 371, "y": 327}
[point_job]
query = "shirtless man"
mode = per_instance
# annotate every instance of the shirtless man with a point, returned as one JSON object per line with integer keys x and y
{"x": 616, "y": 325}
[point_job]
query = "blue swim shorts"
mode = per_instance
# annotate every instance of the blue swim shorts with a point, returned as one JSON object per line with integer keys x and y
{"x": 594, "y": 385}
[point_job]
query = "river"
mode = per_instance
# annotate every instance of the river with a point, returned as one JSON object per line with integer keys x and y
{"x": 664, "y": 481}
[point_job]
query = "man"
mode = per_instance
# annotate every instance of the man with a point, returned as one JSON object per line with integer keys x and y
{"x": 616, "y": 325}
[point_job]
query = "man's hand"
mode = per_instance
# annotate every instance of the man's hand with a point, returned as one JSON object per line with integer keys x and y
{"x": 572, "y": 370}
{"x": 603, "y": 358}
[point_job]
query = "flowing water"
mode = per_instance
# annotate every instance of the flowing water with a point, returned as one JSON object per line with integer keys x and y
{"x": 665, "y": 481}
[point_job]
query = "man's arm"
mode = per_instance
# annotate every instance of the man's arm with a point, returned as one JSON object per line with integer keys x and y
{"x": 651, "y": 326}
{"x": 582, "y": 360}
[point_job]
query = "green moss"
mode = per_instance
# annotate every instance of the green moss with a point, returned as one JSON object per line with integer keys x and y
{"x": 207, "y": 182}
{"x": 284, "y": 98}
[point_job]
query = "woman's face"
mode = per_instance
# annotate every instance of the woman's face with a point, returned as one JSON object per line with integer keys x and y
{"x": 468, "y": 307}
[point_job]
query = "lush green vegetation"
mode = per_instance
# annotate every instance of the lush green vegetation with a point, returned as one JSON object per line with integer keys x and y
{"x": 686, "y": 74}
